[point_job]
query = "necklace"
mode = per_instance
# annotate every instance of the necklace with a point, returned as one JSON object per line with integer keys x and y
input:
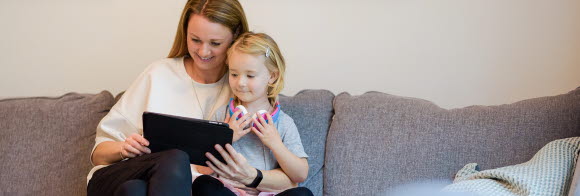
{"x": 215, "y": 101}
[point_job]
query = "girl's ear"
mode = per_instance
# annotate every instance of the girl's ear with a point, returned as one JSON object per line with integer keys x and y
{"x": 273, "y": 77}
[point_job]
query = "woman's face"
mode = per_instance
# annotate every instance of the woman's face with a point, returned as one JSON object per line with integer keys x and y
{"x": 207, "y": 42}
{"x": 249, "y": 77}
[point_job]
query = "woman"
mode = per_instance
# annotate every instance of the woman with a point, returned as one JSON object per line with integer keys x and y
{"x": 191, "y": 82}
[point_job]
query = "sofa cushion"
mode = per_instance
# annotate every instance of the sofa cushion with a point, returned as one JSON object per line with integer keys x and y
{"x": 312, "y": 113}
{"x": 377, "y": 141}
{"x": 45, "y": 143}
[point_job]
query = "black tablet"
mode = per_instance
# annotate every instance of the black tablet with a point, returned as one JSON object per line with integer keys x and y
{"x": 194, "y": 136}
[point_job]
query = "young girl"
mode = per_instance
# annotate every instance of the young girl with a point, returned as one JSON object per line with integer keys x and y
{"x": 256, "y": 77}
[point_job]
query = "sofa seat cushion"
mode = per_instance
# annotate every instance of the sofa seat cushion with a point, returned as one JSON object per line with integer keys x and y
{"x": 377, "y": 141}
{"x": 45, "y": 143}
{"x": 312, "y": 113}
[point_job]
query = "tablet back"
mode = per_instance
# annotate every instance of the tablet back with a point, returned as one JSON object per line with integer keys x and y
{"x": 194, "y": 136}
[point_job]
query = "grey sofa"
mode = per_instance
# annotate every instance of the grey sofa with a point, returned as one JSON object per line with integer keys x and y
{"x": 358, "y": 145}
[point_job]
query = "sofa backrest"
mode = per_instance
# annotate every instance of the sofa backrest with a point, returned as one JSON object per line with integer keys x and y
{"x": 312, "y": 113}
{"x": 377, "y": 141}
{"x": 45, "y": 143}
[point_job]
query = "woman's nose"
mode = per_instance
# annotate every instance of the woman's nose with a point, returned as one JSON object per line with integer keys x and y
{"x": 203, "y": 51}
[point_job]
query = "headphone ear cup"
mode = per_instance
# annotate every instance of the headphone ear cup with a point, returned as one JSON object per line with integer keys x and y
{"x": 263, "y": 114}
{"x": 243, "y": 109}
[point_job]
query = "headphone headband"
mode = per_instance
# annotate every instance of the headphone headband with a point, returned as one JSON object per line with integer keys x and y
{"x": 233, "y": 109}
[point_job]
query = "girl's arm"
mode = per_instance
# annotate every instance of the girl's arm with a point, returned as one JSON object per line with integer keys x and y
{"x": 295, "y": 167}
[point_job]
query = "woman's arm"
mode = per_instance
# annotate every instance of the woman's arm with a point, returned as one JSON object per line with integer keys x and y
{"x": 275, "y": 180}
{"x": 109, "y": 152}
{"x": 238, "y": 169}
{"x": 119, "y": 124}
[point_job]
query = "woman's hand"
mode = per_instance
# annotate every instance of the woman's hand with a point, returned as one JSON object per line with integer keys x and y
{"x": 267, "y": 132}
{"x": 238, "y": 125}
{"x": 235, "y": 184}
{"x": 134, "y": 145}
{"x": 236, "y": 167}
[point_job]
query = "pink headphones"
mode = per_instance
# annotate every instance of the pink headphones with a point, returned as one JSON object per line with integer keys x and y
{"x": 233, "y": 109}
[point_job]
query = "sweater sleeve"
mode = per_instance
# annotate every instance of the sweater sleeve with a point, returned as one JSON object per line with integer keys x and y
{"x": 125, "y": 116}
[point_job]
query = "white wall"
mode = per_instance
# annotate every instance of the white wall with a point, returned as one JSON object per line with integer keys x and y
{"x": 452, "y": 52}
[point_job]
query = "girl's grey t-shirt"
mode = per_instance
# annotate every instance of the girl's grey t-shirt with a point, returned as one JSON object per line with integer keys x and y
{"x": 257, "y": 154}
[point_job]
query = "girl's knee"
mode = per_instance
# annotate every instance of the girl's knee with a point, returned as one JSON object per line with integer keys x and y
{"x": 205, "y": 185}
{"x": 205, "y": 180}
{"x": 298, "y": 191}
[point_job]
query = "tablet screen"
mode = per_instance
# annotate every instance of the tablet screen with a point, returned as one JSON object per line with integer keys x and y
{"x": 194, "y": 136}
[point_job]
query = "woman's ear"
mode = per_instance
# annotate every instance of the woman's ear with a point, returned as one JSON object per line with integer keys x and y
{"x": 273, "y": 77}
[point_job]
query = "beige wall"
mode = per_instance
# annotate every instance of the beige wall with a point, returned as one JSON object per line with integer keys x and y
{"x": 452, "y": 52}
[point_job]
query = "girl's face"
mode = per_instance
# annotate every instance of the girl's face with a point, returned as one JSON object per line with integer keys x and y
{"x": 249, "y": 77}
{"x": 207, "y": 42}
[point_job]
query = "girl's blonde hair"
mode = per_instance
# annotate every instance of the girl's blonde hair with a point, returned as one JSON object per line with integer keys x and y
{"x": 262, "y": 44}
{"x": 226, "y": 12}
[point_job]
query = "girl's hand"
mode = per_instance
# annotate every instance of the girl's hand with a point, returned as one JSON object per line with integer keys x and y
{"x": 238, "y": 125}
{"x": 267, "y": 132}
{"x": 133, "y": 146}
{"x": 236, "y": 168}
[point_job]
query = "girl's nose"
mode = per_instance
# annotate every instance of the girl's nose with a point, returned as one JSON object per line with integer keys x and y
{"x": 242, "y": 81}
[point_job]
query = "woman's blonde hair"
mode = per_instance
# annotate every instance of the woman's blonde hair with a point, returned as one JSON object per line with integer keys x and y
{"x": 226, "y": 12}
{"x": 262, "y": 44}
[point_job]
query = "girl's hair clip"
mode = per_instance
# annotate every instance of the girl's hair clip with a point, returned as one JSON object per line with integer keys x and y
{"x": 267, "y": 52}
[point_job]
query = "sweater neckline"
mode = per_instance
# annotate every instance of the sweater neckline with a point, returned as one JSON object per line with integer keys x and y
{"x": 184, "y": 75}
